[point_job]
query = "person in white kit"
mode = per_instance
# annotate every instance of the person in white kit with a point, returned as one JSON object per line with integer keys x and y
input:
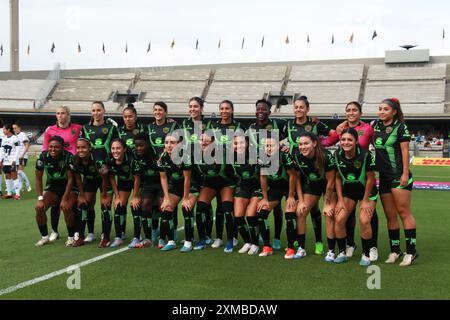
{"x": 1, "y": 173}
{"x": 9, "y": 159}
{"x": 24, "y": 145}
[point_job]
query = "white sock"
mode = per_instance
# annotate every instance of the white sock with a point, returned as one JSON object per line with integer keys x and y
{"x": 19, "y": 178}
{"x": 8, "y": 186}
{"x": 24, "y": 178}
{"x": 17, "y": 185}
{"x": 1, "y": 180}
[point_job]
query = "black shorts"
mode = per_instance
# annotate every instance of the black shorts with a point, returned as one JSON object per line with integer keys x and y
{"x": 125, "y": 185}
{"x": 387, "y": 184}
{"x": 177, "y": 189}
{"x": 277, "y": 191}
{"x": 23, "y": 162}
{"x": 92, "y": 185}
{"x": 218, "y": 183}
{"x": 57, "y": 187}
{"x": 248, "y": 190}
{"x": 355, "y": 191}
{"x": 316, "y": 188}
{"x": 9, "y": 169}
{"x": 151, "y": 190}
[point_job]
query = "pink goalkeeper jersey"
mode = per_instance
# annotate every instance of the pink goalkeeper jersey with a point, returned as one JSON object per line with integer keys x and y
{"x": 365, "y": 136}
{"x": 69, "y": 134}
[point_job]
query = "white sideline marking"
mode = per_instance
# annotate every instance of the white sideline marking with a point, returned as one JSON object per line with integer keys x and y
{"x": 62, "y": 271}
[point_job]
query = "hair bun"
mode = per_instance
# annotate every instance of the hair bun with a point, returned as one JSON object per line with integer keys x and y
{"x": 130, "y": 105}
{"x": 303, "y": 97}
{"x": 395, "y": 100}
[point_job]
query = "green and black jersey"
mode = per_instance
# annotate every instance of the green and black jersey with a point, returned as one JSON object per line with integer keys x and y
{"x": 55, "y": 171}
{"x": 387, "y": 141}
{"x": 246, "y": 172}
{"x": 254, "y": 131}
{"x": 284, "y": 163}
{"x": 157, "y": 134}
{"x": 175, "y": 172}
{"x": 220, "y": 132}
{"x": 89, "y": 171}
{"x": 353, "y": 172}
{"x": 128, "y": 135}
{"x": 188, "y": 126}
{"x": 124, "y": 171}
{"x": 313, "y": 182}
{"x": 214, "y": 175}
{"x": 100, "y": 138}
{"x": 149, "y": 168}
{"x": 294, "y": 130}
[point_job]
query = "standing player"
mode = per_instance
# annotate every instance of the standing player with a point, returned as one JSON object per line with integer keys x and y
{"x": 263, "y": 122}
{"x": 24, "y": 145}
{"x": 391, "y": 142}
{"x": 355, "y": 182}
{"x": 1, "y": 171}
{"x": 70, "y": 132}
{"x": 295, "y": 128}
{"x": 157, "y": 131}
{"x": 56, "y": 163}
{"x": 100, "y": 134}
{"x": 9, "y": 160}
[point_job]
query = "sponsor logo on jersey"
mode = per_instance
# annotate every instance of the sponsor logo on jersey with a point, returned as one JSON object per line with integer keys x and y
{"x": 135, "y": 131}
{"x": 357, "y": 164}
{"x": 388, "y": 130}
{"x": 166, "y": 130}
{"x": 105, "y": 130}
{"x": 379, "y": 141}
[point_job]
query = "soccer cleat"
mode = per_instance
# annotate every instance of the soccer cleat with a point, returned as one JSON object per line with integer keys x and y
{"x": 169, "y": 246}
{"x": 267, "y": 251}
{"x": 29, "y": 189}
{"x": 373, "y": 254}
{"x": 393, "y": 257}
{"x": 155, "y": 234}
{"x": 245, "y": 248}
{"x": 144, "y": 244}
{"x": 408, "y": 259}
{"x": 187, "y": 247}
{"x": 116, "y": 243}
{"x": 134, "y": 243}
{"x": 318, "y": 249}
{"x": 53, "y": 236}
{"x": 330, "y": 257}
{"x": 350, "y": 250}
{"x": 78, "y": 242}
{"x": 254, "y": 249}
{"x": 89, "y": 238}
{"x": 217, "y": 243}
{"x": 301, "y": 253}
{"x": 229, "y": 247}
{"x": 17, "y": 197}
{"x": 235, "y": 242}
{"x": 341, "y": 258}
{"x": 276, "y": 244}
{"x": 365, "y": 261}
{"x": 42, "y": 241}
{"x": 161, "y": 243}
{"x": 7, "y": 196}
{"x": 290, "y": 254}
{"x": 200, "y": 245}
{"x": 208, "y": 240}
{"x": 70, "y": 241}
{"x": 104, "y": 243}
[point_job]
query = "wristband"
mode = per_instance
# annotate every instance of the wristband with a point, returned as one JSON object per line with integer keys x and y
{"x": 40, "y": 198}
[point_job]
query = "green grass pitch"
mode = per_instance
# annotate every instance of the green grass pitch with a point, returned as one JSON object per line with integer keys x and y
{"x": 212, "y": 274}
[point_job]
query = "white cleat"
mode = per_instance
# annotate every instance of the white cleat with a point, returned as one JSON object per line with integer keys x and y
{"x": 373, "y": 254}
{"x": 42, "y": 241}
{"x": 70, "y": 241}
{"x": 393, "y": 257}
{"x": 408, "y": 260}
{"x": 330, "y": 256}
{"x": 53, "y": 236}
{"x": 217, "y": 243}
{"x": 245, "y": 248}
{"x": 301, "y": 253}
{"x": 349, "y": 251}
{"x": 254, "y": 249}
{"x": 29, "y": 189}
{"x": 89, "y": 238}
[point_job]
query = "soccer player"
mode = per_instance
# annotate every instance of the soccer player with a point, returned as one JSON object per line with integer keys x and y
{"x": 88, "y": 180}
{"x": 9, "y": 160}
{"x": 56, "y": 163}
{"x": 157, "y": 131}
{"x": 177, "y": 187}
{"x": 125, "y": 168}
{"x": 281, "y": 182}
{"x": 150, "y": 185}
{"x": 355, "y": 182}
{"x": 217, "y": 180}
{"x": 70, "y": 132}
{"x": 131, "y": 127}
{"x": 295, "y": 128}
{"x": 353, "y": 113}
{"x": 246, "y": 195}
{"x": 100, "y": 134}
{"x": 317, "y": 176}
{"x": 264, "y": 122}
{"x": 24, "y": 145}
{"x": 391, "y": 141}
{"x": 1, "y": 171}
